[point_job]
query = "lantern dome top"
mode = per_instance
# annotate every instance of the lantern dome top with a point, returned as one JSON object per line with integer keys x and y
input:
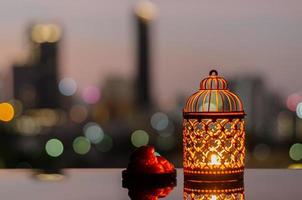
{"x": 213, "y": 82}
{"x": 214, "y": 97}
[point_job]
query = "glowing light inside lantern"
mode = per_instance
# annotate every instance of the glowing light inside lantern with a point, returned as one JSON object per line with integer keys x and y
{"x": 215, "y": 160}
{"x": 214, "y": 197}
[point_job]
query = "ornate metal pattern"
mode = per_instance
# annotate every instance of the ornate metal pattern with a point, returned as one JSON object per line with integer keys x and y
{"x": 214, "y": 196}
{"x": 213, "y": 145}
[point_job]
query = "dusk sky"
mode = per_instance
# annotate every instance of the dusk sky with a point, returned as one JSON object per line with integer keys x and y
{"x": 189, "y": 38}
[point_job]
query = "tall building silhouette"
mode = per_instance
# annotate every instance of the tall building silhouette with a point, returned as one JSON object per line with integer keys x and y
{"x": 261, "y": 106}
{"x": 144, "y": 14}
{"x": 35, "y": 82}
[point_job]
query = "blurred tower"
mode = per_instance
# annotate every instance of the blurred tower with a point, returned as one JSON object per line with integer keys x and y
{"x": 261, "y": 105}
{"x": 35, "y": 82}
{"x": 144, "y": 14}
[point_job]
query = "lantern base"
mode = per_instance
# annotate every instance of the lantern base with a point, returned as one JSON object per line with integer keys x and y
{"x": 214, "y": 186}
{"x": 214, "y": 175}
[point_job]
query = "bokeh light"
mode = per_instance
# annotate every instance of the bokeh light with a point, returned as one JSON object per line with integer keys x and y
{"x": 159, "y": 121}
{"x": 6, "y": 112}
{"x": 93, "y": 132}
{"x": 81, "y": 145}
{"x": 295, "y": 151}
{"x": 139, "y": 138}
{"x": 146, "y": 10}
{"x": 105, "y": 145}
{"x": 285, "y": 125}
{"x": 91, "y": 95}
{"x": 292, "y": 101}
{"x": 67, "y": 86}
{"x": 295, "y": 166}
{"x": 49, "y": 177}
{"x": 26, "y": 125}
{"x": 54, "y": 147}
{"x": 78, "y": 113}
{"x": 45, "y": 117}
{"x": 41, "y": 33}
{"x": 299, "y": 110}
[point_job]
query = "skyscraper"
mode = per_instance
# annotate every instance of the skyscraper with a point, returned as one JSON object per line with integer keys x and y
{"x": 144, "y": 14}
{"x": 35, "y": 82}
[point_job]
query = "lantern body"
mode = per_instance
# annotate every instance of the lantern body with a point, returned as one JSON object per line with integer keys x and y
{"x": 213, "y": 132}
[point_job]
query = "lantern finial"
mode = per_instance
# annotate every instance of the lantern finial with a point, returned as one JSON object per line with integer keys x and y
{"x": 213, "y": 72}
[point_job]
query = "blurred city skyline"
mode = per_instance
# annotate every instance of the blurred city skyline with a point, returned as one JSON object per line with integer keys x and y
{"x": 89, "y": 83}
{"x": 189, "y": 38}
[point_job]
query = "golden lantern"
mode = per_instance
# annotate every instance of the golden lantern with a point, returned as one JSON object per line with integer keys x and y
{"x": 233, "y": 190}
{"x": 213, "y": 132}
